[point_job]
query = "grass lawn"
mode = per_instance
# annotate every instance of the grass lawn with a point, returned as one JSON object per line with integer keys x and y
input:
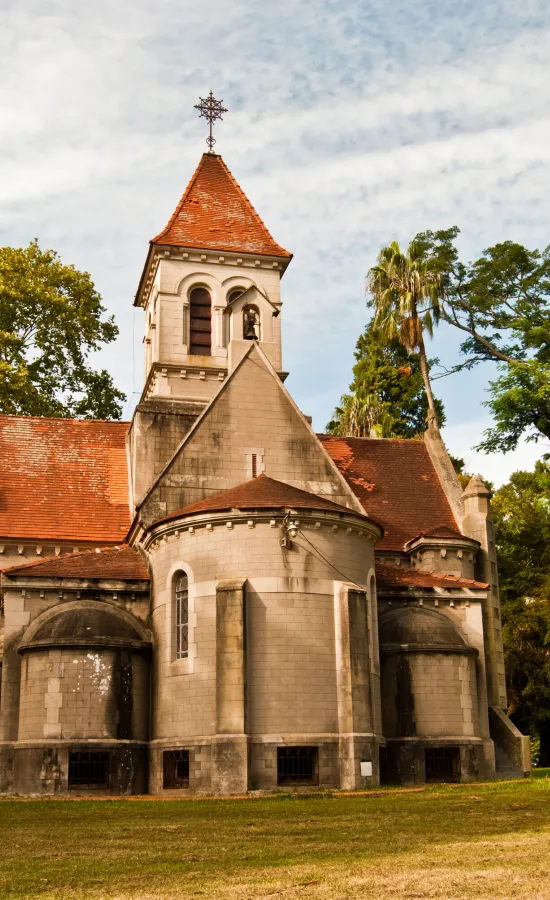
{"x": 489, "y": 841}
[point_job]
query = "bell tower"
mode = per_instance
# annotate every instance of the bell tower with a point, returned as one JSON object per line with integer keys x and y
{"x": 210, "y": 285}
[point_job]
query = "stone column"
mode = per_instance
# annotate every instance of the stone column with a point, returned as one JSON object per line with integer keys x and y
{"x": 218, "y": 328}
{"x": 229, "y": 750}
{"x": 354, "y": 686}
{"x": 478, "y": 524}
{"x": 185, "y": 336}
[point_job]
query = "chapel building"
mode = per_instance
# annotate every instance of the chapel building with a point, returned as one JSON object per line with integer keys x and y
{"x": 214, "y": 599}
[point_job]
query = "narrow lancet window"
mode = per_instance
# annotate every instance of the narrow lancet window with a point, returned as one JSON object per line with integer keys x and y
{"x": 200, "y": 313}
{"x": 182, "y": 616}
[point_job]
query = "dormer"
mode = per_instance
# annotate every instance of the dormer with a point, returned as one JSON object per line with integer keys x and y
{"x": 211, "y": 283}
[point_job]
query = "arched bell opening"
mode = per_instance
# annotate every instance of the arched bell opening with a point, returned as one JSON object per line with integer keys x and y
{"x": 251, "y": 323}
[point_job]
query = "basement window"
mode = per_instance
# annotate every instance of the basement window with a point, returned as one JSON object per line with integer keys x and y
{"x": 443, "y": 764}
{"x": 297, "y": 765}
{"x": 175, "y": 769}
{"x": 88, "y": 770}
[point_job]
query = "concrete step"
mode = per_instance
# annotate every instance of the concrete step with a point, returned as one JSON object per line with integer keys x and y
{"x": 505, "y": 768}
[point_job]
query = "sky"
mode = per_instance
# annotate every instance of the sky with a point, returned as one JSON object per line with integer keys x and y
{"x": 350, "y": 124}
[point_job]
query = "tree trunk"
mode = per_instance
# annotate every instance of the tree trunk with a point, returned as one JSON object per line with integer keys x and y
{"x": 432, "y": 415}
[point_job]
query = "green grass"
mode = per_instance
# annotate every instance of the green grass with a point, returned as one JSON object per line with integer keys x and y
{"x": 488, "y": 841}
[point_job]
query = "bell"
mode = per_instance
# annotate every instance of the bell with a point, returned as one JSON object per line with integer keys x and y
{"x": 250, "y": 330}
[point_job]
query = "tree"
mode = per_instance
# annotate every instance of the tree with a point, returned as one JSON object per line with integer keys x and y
{"x": 521, "y": 512}
{"x": 387, "y": 396}
{"x": 406, "y": 292}
{"x": 51, "y": 318}
{"x": 501, "y": 304}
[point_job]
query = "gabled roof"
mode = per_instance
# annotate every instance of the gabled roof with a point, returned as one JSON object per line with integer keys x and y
{"x": 63, "y": 480}
{"x": 119, "y": 563}
{"x": 397, "y": 485}
{"x": 259, "y": 493}
{"x": 388, "y": 577}
{"x": 215, "y": 214}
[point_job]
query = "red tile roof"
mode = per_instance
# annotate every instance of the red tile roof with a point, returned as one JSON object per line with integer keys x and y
{"x": 259, "y": 493}
{"x": 402, "y": 577}
{"x": 395, "y": 482}
{"x": 442, "y": 531}
{"x": 215, "y": 214}
{"x": 110, "y": 562}
{"x": 63, "y": 479}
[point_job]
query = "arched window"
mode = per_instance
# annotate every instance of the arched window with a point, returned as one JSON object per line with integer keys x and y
{"x": 200, "y": 310}
{"x": 181, "y": 587}
{"x": 234, "y": 294}
{"x": 251, "y": 323}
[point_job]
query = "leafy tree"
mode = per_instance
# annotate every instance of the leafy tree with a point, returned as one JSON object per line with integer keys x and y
{"x": 501, "y": 304}
{"x": 521, "y": 511}
{"x": 51, "y": 318}
{"x": 387, "y": 396}
{"x": 406, "y": 291}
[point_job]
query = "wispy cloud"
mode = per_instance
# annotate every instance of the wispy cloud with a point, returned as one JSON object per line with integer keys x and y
{"x": 349, "y": 124}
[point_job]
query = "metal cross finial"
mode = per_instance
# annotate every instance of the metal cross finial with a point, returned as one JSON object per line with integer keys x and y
{"x": 211, "y": 109}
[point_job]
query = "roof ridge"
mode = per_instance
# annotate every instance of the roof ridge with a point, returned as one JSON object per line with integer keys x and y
{"x": 251, "y": 205}
{"x": 182, "y": 201}
{"x": 64, "y": 419}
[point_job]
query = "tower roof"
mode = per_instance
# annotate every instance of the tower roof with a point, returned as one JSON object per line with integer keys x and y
{"x": 215, "y": 214}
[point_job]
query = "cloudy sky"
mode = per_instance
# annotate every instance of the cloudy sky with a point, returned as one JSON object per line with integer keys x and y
{"x": 352, "y": 122}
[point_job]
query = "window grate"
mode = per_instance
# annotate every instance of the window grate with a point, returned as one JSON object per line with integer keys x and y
{"x": 176, "y": 768}
{"x": 443, "y": 764}
{"x": 88, "y": 770}
{"x": 182, "y": 617}
{"x": 254, "y": 465}
{"x": 297, "y": 765}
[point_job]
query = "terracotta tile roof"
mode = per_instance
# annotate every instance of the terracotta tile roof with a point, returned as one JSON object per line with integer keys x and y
{"x": 215, "y": 214}
{"x": 110, "y": 562}
{"x": 442, "y": 531}
{"x": 259, "y": 493}
{"x": 63, "y": 479}
{"x": 396, "y": 483}
{"x": 402, "y": 577}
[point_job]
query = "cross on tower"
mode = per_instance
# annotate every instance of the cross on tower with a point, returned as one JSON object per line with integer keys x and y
{"x": 211, "y": 109}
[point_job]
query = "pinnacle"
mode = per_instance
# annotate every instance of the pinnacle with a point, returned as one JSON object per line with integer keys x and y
{"x": 476, "y": 487}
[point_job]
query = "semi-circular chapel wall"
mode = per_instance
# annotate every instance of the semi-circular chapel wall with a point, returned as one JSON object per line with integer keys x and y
{"x": 428, "y": 676}
{"x": 84, "y": 675}
{"x": 75, "y": 694}
{"x": 291, "y": 678}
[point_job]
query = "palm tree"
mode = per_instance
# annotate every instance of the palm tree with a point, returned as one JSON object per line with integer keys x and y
{"x": 406, "y": 295}
{"x": 362, "y": 415}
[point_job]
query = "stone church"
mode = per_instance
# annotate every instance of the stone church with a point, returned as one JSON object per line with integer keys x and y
{"x": 214, "y": 599}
